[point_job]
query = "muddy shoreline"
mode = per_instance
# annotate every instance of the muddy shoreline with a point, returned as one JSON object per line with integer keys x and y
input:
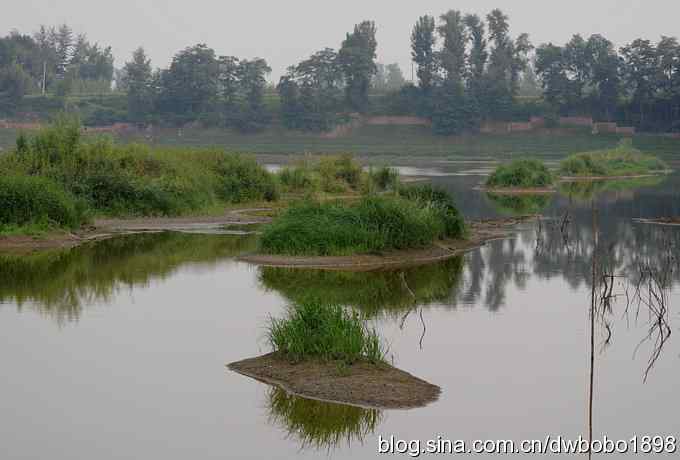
{"x": 670, "y": 221}
{"x": 370, "y": 386}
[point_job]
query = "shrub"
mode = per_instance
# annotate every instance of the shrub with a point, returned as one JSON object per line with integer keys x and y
{"x": 521, "y": 173}
{"x": 26, "y": 200}
{"x": 315, "y": 331}
{"x": 624, "y": 160}
{"x": 243, "y": 179}
{"x": 338, "y": 173}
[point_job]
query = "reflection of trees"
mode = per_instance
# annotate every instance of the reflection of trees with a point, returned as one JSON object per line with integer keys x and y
{"x": 515, "y": 205}
{"x": 59, "y": 283}
{"x": 388, "y": 292}
{"x": 318, "y": 424}
{"x": 585, "y": 190}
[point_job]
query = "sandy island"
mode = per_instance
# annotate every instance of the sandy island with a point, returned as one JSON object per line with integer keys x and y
{"x": 480, "y": 233}
{"x": 364, "y": 385}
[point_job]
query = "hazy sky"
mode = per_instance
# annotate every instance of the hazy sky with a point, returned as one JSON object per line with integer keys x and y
{"x": 283, "y": 32}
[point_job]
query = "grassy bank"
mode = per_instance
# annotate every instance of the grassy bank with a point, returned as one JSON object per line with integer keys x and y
{"x": 623, "y": 160}
{"x": 412, "y": 219}
{"x": 57, "y": 179}
{"x": 525, "y": 173}
{"x": 314, "y": 330}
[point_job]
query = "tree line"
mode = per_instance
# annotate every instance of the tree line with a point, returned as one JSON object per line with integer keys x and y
{"x": 53, "y": 59}
{"x": 468, "y": 69}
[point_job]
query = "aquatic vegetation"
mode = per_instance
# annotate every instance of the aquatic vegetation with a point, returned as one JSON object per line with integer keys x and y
{"x": 314, "y": 330}
{"x": 515, "y": 205}
{"x": 318, "y": 424}
{"x": 524, "y": 173}
{"x": 623, "y": 160}
{"x": 37, "y": 202}
{"x": 374, "y": 224}
{"x": 374, "y": 293}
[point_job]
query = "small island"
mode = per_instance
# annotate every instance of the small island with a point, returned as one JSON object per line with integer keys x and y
{"x": 520, "y": 177}
{"x": 327, "y": 352}
{"x": 622, "y": 162}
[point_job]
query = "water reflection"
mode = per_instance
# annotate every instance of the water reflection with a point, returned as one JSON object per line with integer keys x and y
{"x": 321, "y": 425}
{"x": 517, "y": 205}
{"x": 377, "y": 293}
{"x": 61, "y": 283}
{"x": 585, "y": 191}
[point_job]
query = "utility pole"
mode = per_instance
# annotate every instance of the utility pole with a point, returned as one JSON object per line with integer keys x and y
{"x": 44, "y": 78}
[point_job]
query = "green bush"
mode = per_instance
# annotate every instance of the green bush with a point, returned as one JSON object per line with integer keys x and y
{"x": 26, "y": 200}
{"x": 521, "y": 173}
{"x": 624, "y": 160}
{"x": 338, "y": 173}
{"x": 243, "y": 179}
{"x": 316, "y": 331}
{"x": 374, "y": 224}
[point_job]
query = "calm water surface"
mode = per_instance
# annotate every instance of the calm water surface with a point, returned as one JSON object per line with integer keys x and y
{"x": 118, "y": 350}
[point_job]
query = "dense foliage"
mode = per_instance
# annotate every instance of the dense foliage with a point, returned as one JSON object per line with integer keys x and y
{"x": 314, "y": 330}
{"x": 524, "y": 173}
{"x": 134, "y": 179}
{"x": 624, "y": 160}
{"x": 37, "y": 202}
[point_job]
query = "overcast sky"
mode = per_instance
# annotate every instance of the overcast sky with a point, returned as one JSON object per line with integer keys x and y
{"x": 284, "y": 32}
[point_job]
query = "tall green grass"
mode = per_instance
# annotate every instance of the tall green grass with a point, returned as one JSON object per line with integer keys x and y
{"x": 314, "y": 330}
{"x": 124, "y": 180}
{"x": 624, "y": 160}
{"x": 374, "y": 224}
{"x": 525, "y": 173}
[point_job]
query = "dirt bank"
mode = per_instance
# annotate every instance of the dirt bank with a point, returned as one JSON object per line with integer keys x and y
{"x": 109, "y": 228}
{"x": 480, "y": 233}
{"x": 361, "y": 384}
{"x": 660, "y": 221}
{"x": 517, "y": 191}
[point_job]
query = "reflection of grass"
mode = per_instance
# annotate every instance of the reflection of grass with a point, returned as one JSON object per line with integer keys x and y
{"x": 61, "y": 281}
{"x": 319, "y": 424}
{"x": 585, "y": 190}
{"x": 519, "y": 204}
{"x": 375, "y": 293}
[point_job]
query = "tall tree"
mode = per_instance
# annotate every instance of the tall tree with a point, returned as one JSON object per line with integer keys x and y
{"x": 454, "y": 37}
{"x": 478, "y": 50}
{"x": 139, "y": 82}
{"x": 191, "y": 82}
{"x": 64, "y": 48}
{"x": 422, "y": 51}
{"x": 640, "y": 72}
{"x": 605, "y": 74}
{"x": 357, "y": 59}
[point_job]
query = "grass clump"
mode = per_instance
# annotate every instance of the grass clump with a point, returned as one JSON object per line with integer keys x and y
{"x": 329, "y": 332}
{"x": 524, "y": 173}
{"x": 37, "y": 203}
{"x": 623, "y": 160}
{"x": 371, "y": 225}
{"x": 440, "y": 202}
